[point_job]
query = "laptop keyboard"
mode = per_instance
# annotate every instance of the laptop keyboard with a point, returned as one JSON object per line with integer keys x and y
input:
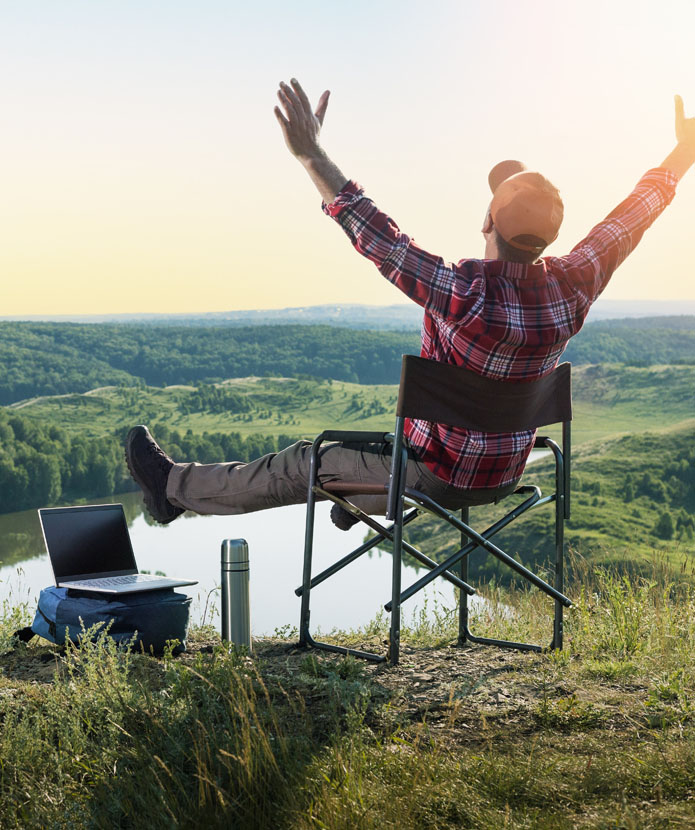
{"x": 129, "y": 579}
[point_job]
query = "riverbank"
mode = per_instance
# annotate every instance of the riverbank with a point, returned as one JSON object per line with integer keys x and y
{"x": 598, "y": 735}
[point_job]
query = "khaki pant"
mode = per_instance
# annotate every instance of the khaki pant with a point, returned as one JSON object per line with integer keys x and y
{"x": 282, "y": 478}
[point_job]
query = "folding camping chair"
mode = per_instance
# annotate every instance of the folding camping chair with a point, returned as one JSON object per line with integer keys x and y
{"x": 457, "y": 397}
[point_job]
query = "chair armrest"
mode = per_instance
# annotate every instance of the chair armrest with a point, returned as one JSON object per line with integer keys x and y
{"x": 349, "y": 436}
{"x": 354, "y": 488}
{"x": 352, "y": 436}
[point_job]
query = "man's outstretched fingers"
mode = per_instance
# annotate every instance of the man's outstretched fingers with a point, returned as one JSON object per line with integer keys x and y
{"x": 680, "y": 118}
{"x": 301, "y": 95}
{"x": 293, "y": 99}
{"x": 284, "y": 123}
{"x": 287, "y": 103}
{"x": 322, "y": 106}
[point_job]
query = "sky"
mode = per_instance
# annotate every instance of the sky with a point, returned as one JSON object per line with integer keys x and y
{"x": 142, "y": 168}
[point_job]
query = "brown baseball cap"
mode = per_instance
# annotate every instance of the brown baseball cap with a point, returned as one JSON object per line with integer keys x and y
{"x": 526, "y": 209}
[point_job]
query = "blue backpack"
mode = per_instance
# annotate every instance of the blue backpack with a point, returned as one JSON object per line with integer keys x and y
{"x": 148, "y": 619}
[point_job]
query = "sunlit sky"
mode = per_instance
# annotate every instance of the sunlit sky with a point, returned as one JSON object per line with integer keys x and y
{"x": 142, "y": 168}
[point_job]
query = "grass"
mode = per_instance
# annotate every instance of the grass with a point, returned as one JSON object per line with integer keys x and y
{"x": 600, "y": 735}
{"x": 608, "y": 400}
{"x": 287, "y": 405}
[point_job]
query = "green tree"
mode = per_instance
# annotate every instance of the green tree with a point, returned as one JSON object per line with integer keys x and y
{"x": 664, "y": 528}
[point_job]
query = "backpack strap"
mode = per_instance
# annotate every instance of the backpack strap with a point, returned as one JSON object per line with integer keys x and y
{"x": 51, "y": 623}
{"x": 24, "y": 634}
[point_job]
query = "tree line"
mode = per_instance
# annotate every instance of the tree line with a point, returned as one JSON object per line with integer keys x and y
{"x": 62, "y": 358}
{"x": 41, "y": 464}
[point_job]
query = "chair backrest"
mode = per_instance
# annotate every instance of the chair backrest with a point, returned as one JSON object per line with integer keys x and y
{"x": 452, "y": 395}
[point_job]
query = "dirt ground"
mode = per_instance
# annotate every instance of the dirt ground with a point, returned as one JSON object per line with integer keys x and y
{"x": 458, "y": 691}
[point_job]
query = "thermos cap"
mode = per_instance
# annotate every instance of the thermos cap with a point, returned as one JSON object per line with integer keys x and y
{"x": 235, "y": 552}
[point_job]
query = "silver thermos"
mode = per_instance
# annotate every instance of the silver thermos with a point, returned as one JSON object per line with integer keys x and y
{"x": 236, "y": 610}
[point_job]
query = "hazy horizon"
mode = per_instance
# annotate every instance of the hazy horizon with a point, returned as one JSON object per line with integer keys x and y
{"x": 603, "y": 309}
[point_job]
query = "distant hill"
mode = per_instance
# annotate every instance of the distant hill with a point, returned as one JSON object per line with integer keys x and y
{"x": 71, "y": 445}
{"x": 396, "y": 317}
{"x": 607, "y": 400}
{"x": 645, "y": 341}
{"x": 61, "y": 358}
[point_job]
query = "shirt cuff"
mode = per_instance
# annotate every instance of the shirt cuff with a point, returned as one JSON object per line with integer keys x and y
{"x": 351, "y": 193}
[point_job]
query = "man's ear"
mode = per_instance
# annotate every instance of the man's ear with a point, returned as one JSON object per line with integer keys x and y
{"x": 487, "y": 224}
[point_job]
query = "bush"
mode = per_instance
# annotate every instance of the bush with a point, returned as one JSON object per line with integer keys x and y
{"x": 664, "y": 528}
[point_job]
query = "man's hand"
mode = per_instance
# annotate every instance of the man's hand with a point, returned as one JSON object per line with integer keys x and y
{"x": 681, "y": 159}
{"x": 300, "y": 125}
{"x": 301, "y": 128}
{"x": 685, "y": 127}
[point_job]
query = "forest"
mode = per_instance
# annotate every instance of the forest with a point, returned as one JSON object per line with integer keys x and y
{"x": 63, "y": 358}
{"x": 42, "y": 464}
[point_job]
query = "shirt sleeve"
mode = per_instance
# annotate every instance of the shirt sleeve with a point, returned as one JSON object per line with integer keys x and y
{"x": 443, "y": 289}
{"x": 591, "y": 263}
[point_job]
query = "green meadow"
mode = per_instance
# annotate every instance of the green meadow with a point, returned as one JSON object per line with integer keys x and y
{"x": 609, "y": 399}
{"x": 267, "y": 406}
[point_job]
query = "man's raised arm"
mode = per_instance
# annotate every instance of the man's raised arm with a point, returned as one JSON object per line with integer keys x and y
{"x": 301, "y": 127}
{"x": 422, "y": 276}
{"x": 682, "y": 157}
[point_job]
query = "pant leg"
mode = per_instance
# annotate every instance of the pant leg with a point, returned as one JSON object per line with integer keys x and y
{"x": 282, "y": 478}
{"x": 420, "y": 477}
{"x": 273, "y": 480}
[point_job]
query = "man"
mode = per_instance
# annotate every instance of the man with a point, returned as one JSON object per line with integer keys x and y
{"x": 508, "y": 316}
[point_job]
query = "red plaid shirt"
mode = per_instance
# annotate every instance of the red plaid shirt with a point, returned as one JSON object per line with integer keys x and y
{"x": 501, "y": 319}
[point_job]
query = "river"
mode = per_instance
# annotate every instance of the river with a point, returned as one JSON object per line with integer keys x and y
{"x": 190, "y": 547}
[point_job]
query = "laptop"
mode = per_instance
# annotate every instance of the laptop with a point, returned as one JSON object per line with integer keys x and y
{"x": 89, "y": 548}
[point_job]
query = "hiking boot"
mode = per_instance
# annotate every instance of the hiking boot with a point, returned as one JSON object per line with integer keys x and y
{"x": 341, "y": 518}
{"x": 150, "y": 466}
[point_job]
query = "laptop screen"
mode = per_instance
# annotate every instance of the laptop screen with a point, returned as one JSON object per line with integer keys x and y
{"x": 87, "y": 540}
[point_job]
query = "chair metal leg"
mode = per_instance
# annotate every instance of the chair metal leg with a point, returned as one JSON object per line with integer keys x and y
{"x": 560, "y": 499}
{"x": 465, "y": 634}
{"x": 356, "y": 553}
{"x": 384, "y": 533}
{"x": 482, "y": 542}
{"x": 395, "y": 635}
{"x": 560, "y": 512}
{"x": 463, "y": 573}
{"x": 470, "y": 540}
{"x": 445, "y": 568}
{"x": 304, "y": 636}
{"x": 353, "y": 652}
